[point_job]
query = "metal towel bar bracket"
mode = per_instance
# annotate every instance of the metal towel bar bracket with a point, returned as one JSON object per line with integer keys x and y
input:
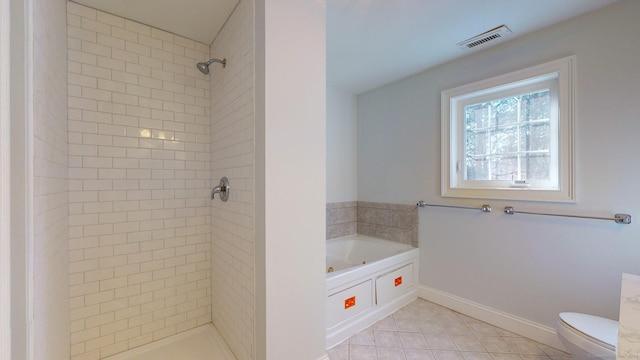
{"x": 618, "y": 218}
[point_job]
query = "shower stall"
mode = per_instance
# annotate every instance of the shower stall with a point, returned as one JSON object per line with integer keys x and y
{"x": 141, "y": 151}
{"x": 130, "y": 133}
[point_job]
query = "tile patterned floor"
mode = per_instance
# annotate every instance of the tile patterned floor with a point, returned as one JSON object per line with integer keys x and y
{"x": 423, "y": 330}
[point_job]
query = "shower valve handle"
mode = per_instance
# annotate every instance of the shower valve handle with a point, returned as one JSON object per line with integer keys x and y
{"x": 223, "y": 189}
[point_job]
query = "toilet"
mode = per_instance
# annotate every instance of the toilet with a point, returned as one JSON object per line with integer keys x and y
{"x": 587, "y": 336}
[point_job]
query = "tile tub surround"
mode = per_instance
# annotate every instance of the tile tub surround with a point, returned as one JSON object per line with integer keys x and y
{"x": 389, "y": 221}
{"x": 139, "y": 181}
{"x": 385, "y": 221}
{"x": 342, "y": 219}
{"x": 424, "y": 330}
{"x": 629, "y": 325}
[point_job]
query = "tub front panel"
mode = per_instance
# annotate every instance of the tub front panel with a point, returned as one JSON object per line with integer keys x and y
{"x": 394, "y": 284}
{"x": 349, "y": 302}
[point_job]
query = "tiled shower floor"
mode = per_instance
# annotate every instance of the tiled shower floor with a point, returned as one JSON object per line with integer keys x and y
{"x": 423, "y": 330}
{"x": 203, "y": 343}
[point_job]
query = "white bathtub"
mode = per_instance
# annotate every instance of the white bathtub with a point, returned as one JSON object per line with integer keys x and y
{"x": 367, "y": 280}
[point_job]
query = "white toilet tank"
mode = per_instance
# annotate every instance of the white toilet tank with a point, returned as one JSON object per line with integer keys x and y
{"x": 587, "y": 336}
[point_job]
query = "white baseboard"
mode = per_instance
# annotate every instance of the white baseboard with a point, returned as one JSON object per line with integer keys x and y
{"x": 517, "y": 325}
{"x": 325, "y": 357}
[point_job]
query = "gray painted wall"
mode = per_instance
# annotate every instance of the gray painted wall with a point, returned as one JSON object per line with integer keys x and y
{"x": 342, "y": 142}
{"x": 528, "y": 266}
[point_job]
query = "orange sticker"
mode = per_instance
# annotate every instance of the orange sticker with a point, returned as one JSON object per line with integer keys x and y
{"x": 398, "y": 281}
{"x": 350, "y": 302}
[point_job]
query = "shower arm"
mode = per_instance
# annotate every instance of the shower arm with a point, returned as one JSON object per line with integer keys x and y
{"x": 223, "y": 62}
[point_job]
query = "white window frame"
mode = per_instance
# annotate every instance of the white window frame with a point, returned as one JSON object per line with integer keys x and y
{"x": 558, "y": 76}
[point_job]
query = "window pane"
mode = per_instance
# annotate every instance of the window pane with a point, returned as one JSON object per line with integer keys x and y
{"x": 504, "y": 140}
{"x": 536, "y": 105}
{"x": 505, "y": 111}
{"x": 477, "y": 116}
{"x": 503, "y": 167}
{"x": 535, "y": 136}
{"x": 477, "y": 143}
{"x": 509, "y": 138}
{"x": 537, "y": 166}
{"x": 477, "y": 169}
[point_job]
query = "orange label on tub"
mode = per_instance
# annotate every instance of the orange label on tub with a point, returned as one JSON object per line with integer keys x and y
{"x": 398, "y": 281}
{"x": 350, "y": 302}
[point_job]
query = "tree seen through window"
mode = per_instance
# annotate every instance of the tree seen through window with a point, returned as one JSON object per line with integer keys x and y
{"x": 509, "y": 138}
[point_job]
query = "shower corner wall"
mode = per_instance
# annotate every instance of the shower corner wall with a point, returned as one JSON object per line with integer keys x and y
{"x": 233, "y": 156}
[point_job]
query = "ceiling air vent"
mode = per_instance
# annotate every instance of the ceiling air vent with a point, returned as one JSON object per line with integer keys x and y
{"x": 486, "y": 37}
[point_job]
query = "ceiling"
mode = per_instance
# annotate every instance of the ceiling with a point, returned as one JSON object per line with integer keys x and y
{"x": 374, "y": 42}
{"x": 371, "y": 42}
{"x": 195, "y": 19}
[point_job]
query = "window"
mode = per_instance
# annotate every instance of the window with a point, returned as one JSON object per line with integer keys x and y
{"x": 510, "y": 137}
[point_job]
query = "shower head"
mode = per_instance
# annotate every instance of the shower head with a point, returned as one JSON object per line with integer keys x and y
{"x": 204, "y": 66}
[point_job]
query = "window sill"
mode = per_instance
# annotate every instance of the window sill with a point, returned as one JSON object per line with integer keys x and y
{"x": 515, "y": 193}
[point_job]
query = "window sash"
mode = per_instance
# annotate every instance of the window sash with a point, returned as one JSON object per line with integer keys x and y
{"x": 537, "y": 84}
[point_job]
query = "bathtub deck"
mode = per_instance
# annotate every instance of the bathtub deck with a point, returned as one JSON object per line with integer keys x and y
{"x": 203, "y": 343}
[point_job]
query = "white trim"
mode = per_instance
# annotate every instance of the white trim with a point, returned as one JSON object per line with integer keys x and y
{"x": 29, "y": 175}
{"x": 5, "y": 189}
{"x": 515, "y": 324}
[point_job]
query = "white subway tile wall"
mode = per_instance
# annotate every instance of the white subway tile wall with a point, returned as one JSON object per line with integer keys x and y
{"x": 139, "y": 151}
{"x": 51, "y": 204}
{"x": 233, "y": 156}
